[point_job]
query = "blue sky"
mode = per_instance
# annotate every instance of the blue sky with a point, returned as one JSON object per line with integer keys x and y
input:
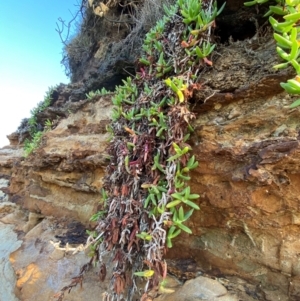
{"x": 30, "y": 55}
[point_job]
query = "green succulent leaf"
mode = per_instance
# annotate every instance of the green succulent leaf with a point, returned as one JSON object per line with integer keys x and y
{"x": 296, "y": 65}
{"x": 181, "y": 213}
{"x": 194, "y": 196}
{"x": 146, "y": 274}
{"x": 191, "y": 204}
{"x": 250, "y": 3}
{"x": 169, "y": 243}
{"x": 178, "y": 195}
{"x": 282, "y": 41}
{"x": 173, "y": 203}
{"x": 184, "y": 228}
{"x": 292, "y": 17}
{"x": 295, "y": 104}
{"x": 188, "y": 214}
{"x": 288, "y": 88}
{"x": 144, "y": 236}
{"x": 281, "y": 66}
{"x": 278, "y": 10}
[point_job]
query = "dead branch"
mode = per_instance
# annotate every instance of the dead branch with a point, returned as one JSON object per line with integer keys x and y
{"x": 61, "y": 25}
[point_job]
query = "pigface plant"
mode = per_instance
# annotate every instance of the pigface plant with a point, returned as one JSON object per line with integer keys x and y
{"x": 148, "y": 198}
{"x": 286, "y": 35}
{"x": 98, "y": 92}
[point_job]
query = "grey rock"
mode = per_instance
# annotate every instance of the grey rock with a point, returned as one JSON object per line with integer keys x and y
{"x": 199, "y": 289}
{"x": 4, "y": 183}
{"x": 8, "y": 244}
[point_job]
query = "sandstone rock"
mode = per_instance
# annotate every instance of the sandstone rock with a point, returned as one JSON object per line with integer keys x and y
{"x": 3, "y": 196}
{"x": 7, "y": 207}
{"x": 8, "y": 243}
{"x": 42, "y": 271}
{"x": 13, "y": 139}
{"x": 248, "y": 180}
{"x": 64, "y": 177}
{"x": 3, "y": 184}
{"x": 14, "y": 215}
{"x": 170, "y": 285}
{"x": 9, "y": 155}
{"x": 200, "y": 288}
{"x": 33, "y": 220}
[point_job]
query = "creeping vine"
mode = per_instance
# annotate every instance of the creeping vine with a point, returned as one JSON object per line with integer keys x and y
{"x": 148, "y": 196}
{"x": 146, "y": 192}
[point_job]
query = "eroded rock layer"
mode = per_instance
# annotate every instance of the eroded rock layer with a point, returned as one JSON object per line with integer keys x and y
{"x": 63, "y": 177}
{"x": 247, "y": 145}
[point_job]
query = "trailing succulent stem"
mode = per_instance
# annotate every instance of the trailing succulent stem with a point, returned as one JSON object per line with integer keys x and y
{"x": 286, "y": 35}
{"x": 148, "y": 199}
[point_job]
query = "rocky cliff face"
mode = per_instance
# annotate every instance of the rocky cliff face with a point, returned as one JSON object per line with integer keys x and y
{"x": 246, "y": 140}
{"x": 63, "y": 178}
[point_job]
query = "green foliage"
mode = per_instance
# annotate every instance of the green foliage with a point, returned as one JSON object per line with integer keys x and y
{"x": 97, "y": 216}
{"x": 144, "y": 236}
{"x": 48, "y": 125}
{"x": 250, "y": 3}
{"x": 100, "y": 214}
{"x": 147, "y": 273}
{"x": 177, "y": 86}
{"x": 31, "y": 145}
{"x": 36, "y": 134}
{"x": 125, "y": 95}
{"x": 192, "y": 12}
{"x": 98, "y": 92}
{"x": 286, "y": 36}
{"x": 32, "y": 121}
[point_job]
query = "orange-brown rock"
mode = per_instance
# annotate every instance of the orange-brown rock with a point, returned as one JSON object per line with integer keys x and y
{"x": 248, "y": 177}
{"x": 63, "y": 177}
